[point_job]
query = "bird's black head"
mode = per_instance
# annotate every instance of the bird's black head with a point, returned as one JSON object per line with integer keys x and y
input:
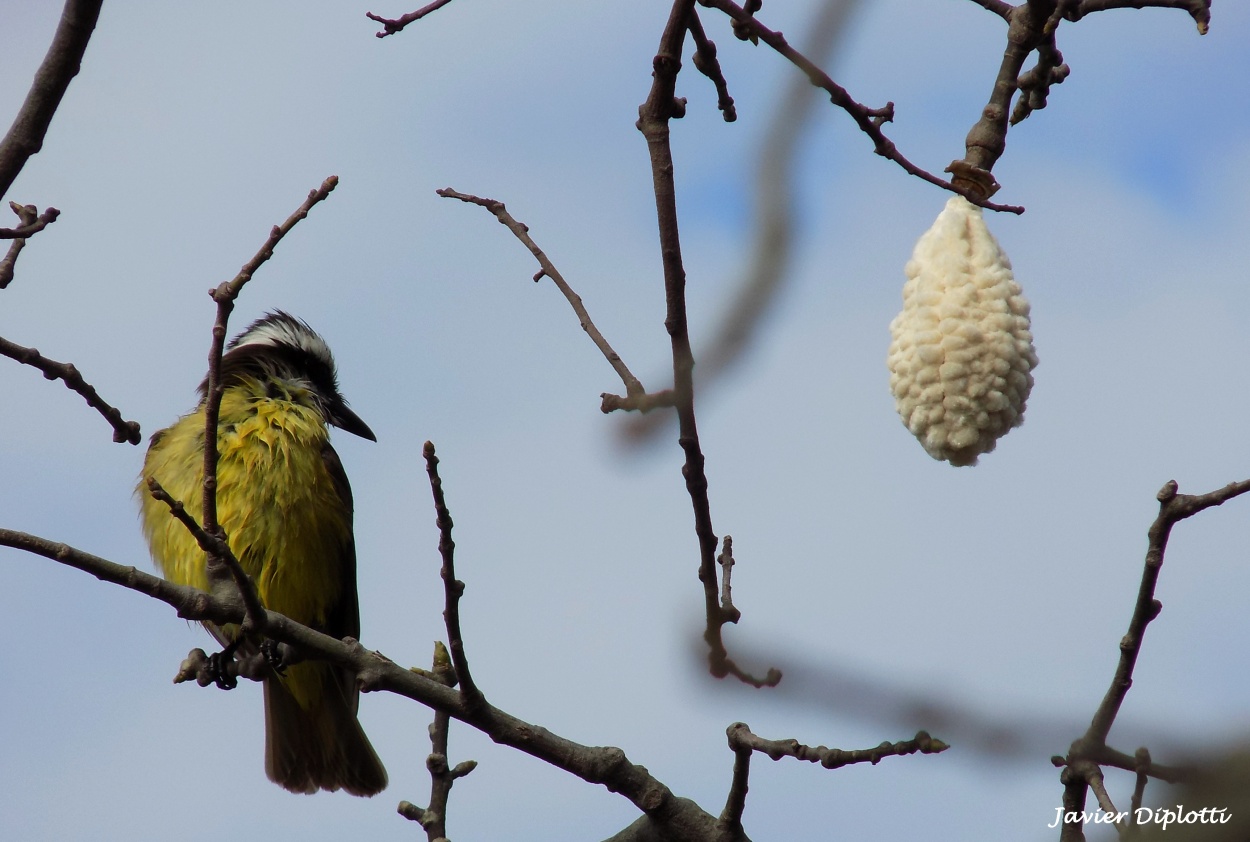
{"x": 280, "y": 346}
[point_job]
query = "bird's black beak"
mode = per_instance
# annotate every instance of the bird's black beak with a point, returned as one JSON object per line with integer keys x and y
{"x": 345, "y": 419}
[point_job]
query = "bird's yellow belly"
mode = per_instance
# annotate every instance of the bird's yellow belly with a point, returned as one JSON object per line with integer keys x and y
{"x": 283, "y": 516}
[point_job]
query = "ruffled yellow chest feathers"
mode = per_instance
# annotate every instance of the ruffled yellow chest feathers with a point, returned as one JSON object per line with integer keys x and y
{"x": 284, "y": 517}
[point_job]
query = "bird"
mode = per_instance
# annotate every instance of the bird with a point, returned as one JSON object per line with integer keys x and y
{"x": 285, "y": 504}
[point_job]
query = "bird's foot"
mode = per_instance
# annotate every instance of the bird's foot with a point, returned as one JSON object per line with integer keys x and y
{"x": 219, "y": 668}
{"x": 272, "y": 650}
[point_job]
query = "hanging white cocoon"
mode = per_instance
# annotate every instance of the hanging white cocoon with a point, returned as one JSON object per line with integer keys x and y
{"x": 962, "y": 352}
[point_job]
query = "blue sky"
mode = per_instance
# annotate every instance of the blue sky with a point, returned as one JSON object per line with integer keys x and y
{"x": 1002, "y": 589}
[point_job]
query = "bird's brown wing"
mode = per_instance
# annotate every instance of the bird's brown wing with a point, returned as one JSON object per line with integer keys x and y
{"x": 323, "y": 746}
{"x": 343, "y": 619}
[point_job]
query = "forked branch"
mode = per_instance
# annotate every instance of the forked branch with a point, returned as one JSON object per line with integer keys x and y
{"x": 1082, "y": 765}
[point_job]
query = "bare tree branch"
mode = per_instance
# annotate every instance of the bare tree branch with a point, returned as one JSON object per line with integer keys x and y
{"x": 215, "y": 546}
{"x": 705, "y": 62}
{"x": 740, "y": 737}
{"x": 1199, "y": 10}
{"x": 433, "y": 819}
{"x": 1031, "y": 26}
{"x": 773, "y": 226}
{"x": 680, "y": 819}
{"x": 987, "y": 139}
{"x": 60, "y": 65}
{"x": 653, "y": 122}
{"x": 452, "y": 587}
{"x": 736, "y": 800}
{"x": 123, "y": 430}
{"x": 32, "y": 223}
{"x": 637, "y": 397}
{"x": 1139, "y": 787}
{"x": 27, "y": 215}
{"x": 390, "y": 27}
{"x": 225, "y": 295}
{"x": 1173, "y": 508}
{"x": 1091, "y": 750}
{"x": 868, "y": 119}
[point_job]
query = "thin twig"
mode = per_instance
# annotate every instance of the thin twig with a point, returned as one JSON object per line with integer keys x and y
{"x": 1035, "y": 83}
{"x": 633, "y": 386}
{"x": 736, "y": 800}
{"x": 726, "y": 561}
{"x": 32, "y": 222}
{"x": 1074, "y": 794}
{"x": 1107, "y": 756}
{"x": 1093, "y": 776}
{"x": 452, "y": 587}
{"x": 433, "y": 820}
{"x": 643, "y": 403}
{"x": 217, "y": 565}
{"x": 705, "y": 62}
{"x": 1091, "y": 750}
{"x": 123, "y": 430}
{"x": 27, "y": 214}
{"x": 1173, "y": 508}
{"x": 390, "y": 27}
{"x": 1199, "y": 10}
{"x": 653, "y": 122}
{"x": 773, "y": 232}
{"x": 740, "y": 737}
{"x": 1139, "y": 786}
{"x": 224, "y": 295}
{"x": 59, "y": 66}
{"x": 868, "y": 119}
{"x": 215, "y": 546}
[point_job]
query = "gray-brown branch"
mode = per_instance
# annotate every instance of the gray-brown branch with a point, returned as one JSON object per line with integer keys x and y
{"x": 653, "y": 121}
{"x": 59, "y": 67}
{"x": 676, "y": 819}
{"x": 636, "y": 395}
{"x": 391, "y": 26}
{"x": 123, "y": 430}
{"x": 868, "y": 119}
{"x": 452, "y": 587}
{"x": 1090, "y": 751}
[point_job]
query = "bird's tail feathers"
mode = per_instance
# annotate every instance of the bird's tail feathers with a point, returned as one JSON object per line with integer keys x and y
{"x": 321, "y": 746}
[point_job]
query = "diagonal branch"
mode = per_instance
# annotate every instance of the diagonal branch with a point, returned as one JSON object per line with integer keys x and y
{"x": 390, "y": 27}
{"x": 123, "y": 430}
{"x": 868, "y": 119}
{"x": 679, "y": 818}
{"x": 60, "y": 65}
{"x": 705, "y": 62}
{"x": 225, "y": 296}
{"x": 1173, "y": 508}
{"x": 636, "y": 395}
{"x": 216, "y": 547}
{"x": 1089, "y": 751}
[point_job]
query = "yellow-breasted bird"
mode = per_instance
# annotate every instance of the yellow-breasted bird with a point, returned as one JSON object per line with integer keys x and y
{"x": 285, "y": 504}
